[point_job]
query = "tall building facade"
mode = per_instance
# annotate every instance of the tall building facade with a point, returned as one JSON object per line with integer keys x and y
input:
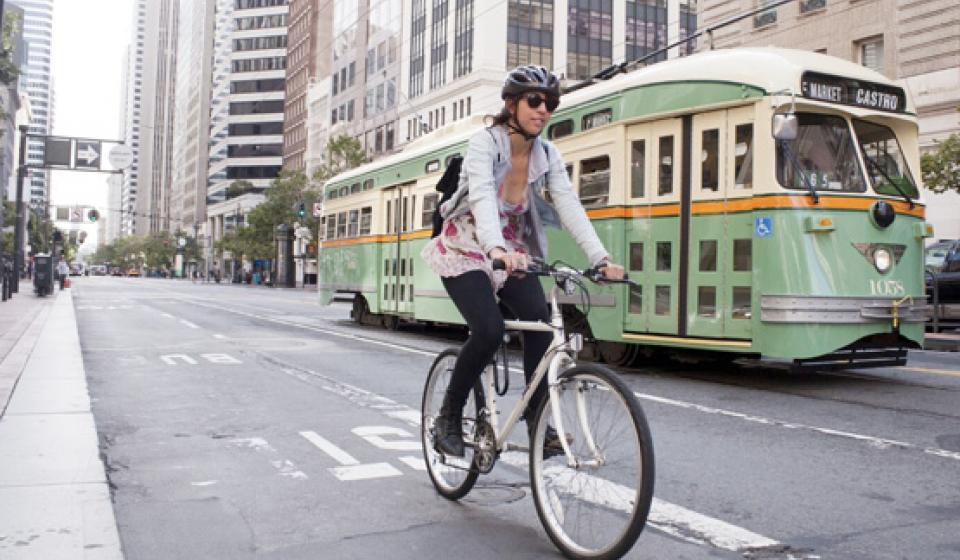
{"x": 308, "y": 26}
{"x": 246, "y": 109}
{"x": 10, "y": 104}
{"x": 132, "y": 118}
{"x": 154, "y": 157}
{"x": 401, "y": 68}
{"x": 915, "y": 43}
{"x": 36, "y": 79}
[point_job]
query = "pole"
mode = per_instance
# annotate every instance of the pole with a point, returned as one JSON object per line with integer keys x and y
{"x": 18, "y": 231}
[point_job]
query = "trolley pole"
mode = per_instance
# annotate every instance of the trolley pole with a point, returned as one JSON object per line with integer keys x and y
{"x": 19, "y": 226}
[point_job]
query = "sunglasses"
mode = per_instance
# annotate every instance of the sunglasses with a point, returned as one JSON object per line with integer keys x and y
{"x": 534, "y": 100}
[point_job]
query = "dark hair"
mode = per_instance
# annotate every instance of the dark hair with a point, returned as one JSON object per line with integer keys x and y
{"x": 500, "y": 119}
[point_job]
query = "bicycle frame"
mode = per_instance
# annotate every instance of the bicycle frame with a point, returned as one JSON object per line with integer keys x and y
{"x": 557, "y": 355}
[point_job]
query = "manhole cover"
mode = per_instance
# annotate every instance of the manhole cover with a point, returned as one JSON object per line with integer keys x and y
{"x": 493, "y": 495}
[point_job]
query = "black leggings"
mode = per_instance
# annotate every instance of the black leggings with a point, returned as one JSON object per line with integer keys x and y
{"x": 474, "y": 297}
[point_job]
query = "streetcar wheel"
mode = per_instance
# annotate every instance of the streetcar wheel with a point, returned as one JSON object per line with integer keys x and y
{"x": 453, "y": 477}
{"x": 391, "y": 322}
{"x": 598, "y": 507}
{"x": 360, "y": 309}
{"x": 617, "y": 353}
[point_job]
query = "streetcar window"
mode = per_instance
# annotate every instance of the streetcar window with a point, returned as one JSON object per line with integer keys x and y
{"x": 344, "y": 190}
{"x": 708, "y": 256}
{"x": 663, "y": 256}
{"x": 884, "y": 159}
{"x": 386, "y": 271}
{"x": 636, "y": 256}
{"x": 599, "y": 118}
{"x": 332, "y": 194}
{"x": 403, "y": 292}
{"x": 665, "y": 167}
{"x": 662, "y": 304}
{"x": 389, "y": 216}
{"x": 355, "y": 188}
{"x": 368, "y": 184}
{"x": 410, "y": 292}
{"x": 403, "y": 215}
{"x": 331, "y": 226}
{"x": 403, "y": 268}
{"x": 710, "y": 160}
{"x": 707, "y": 301}
{"x": 560, "y": 129}
{"x": 741, "y": 302}
{"x": 637, "y": 160}
{"x": 323, "y": 228}
{"x": 393, "y": 270}
{"x": 742, "y": 255}
{"x": 410, "y": 268}
{"x": 432, "y": 165}
{"x": 413, "y": 211}
{"x": 429, "y": 205}
{"x": 353, "y": 226}
{"x": 594, "y": 181}
{"x": 743, "y": 157}
{"x": 341, "y": 225}
{"x": 636, "y": 298}
{"x": 366, "y": 220}
{"x": 822, "y": 156}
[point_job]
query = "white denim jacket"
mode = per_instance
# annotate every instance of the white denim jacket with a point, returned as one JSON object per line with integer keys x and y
{"x": 484, "y": 168}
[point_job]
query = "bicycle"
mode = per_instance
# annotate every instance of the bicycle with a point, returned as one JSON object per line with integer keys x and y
{"x": 593, "y": 499}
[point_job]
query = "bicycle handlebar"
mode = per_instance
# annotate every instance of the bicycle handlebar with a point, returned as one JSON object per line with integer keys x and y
{"x": 540, "y": 268}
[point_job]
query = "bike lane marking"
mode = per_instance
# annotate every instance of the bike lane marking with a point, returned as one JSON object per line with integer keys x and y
{"x": 877, "y": 442}
{"x": 350, "y": 468}
{"x": 285, "y": 467}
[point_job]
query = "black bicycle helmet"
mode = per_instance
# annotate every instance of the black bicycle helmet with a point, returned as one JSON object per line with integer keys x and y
{"x": 530, "y": 77}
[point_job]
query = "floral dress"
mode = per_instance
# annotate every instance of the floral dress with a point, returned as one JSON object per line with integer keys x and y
{"x": 457, "y": 249}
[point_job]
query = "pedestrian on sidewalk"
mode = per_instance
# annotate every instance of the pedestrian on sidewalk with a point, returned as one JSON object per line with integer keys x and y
{"x": 62, "y": 272}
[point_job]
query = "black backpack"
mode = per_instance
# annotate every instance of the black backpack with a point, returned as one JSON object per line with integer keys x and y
{"x": 446, "y": 187}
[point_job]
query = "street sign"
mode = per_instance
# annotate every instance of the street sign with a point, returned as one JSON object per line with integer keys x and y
{"x": 87, "y": 154}
{"x": 121, "y": 156}
{"x": 76, "y": 214}
{"x": 56, "y": 152}
{"x": 317, "y": 209}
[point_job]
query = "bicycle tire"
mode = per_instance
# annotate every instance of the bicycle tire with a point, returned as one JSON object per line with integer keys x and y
{"x": 451, "y": 482}
{"x": 618, "y": 492}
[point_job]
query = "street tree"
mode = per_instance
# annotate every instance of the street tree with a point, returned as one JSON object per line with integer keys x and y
{"x": 341, "y": 153}
{"x": 941, "y": 168}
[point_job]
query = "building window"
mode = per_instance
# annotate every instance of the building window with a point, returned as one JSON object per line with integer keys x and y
{"x": 646, "y": 29}
{"x": 438, "y": 44}
{"x": 871, "y": 53}
{"x": 418, "y": 15}
{"x": 812, "y": 5}
{"x": 463, "y": 40}
{"x": 589, "y": 38}
{"x": 688, "y": 25}
{"x": 529, "y": 33}
{"x": 764, "y": 19}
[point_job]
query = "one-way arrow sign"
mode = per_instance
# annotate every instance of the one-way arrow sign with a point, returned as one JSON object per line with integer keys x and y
{"x": 87, "y": 154}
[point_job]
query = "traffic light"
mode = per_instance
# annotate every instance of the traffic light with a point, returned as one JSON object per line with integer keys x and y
{"x": 302, "y": 210}
{"x": 93, "y": 215}
{"x": 82, "y": 237}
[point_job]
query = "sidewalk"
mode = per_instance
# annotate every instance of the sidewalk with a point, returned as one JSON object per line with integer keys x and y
{"x": 54, "y": 498}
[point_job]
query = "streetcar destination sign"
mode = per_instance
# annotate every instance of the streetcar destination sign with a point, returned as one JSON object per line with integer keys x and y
{"x": 849, "y": 91}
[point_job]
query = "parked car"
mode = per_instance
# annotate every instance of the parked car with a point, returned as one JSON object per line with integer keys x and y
{"x": 943, "y": 270}
{"x": 133, "y": 271}
{"x": 76, "y": 269}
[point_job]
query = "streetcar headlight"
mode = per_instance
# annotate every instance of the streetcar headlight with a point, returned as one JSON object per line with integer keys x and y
{"x": 882, "y": 259}
{"x": 882, "y": 214}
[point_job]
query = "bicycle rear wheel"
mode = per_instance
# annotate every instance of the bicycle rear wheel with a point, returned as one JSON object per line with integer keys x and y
{"x": 453, "y": 477}
{"x": 597, "y": 508}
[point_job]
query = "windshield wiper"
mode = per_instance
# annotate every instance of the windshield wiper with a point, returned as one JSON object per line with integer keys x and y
{"x": 803, "y": 173}
{"x": 876, "y": 167}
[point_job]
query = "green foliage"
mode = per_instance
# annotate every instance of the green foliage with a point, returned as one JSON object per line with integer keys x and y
{"x": 39, "y": 233}
{"x": 342, "y": 153}
{"x": 9, "y": 71}
{"x": 9, "y": 221}
{"x": 154, "y": 251}
{"x": 941, "y": 168}
{"x": 239, "y": 187}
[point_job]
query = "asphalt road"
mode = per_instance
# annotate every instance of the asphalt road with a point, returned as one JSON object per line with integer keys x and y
{"x": 226, "y": 414}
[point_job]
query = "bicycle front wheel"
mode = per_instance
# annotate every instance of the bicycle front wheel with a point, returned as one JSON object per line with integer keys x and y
{"x": 453, "y": 477}
{"x": 595, "y": 503}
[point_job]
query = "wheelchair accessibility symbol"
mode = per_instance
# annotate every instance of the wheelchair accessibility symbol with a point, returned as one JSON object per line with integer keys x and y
{"x": 763, "y": 227}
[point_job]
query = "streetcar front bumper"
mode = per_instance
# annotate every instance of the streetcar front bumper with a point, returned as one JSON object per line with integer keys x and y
{"x": 841, "y": 310}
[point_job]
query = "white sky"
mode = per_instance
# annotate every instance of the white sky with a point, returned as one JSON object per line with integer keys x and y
{"x": 90, "y": 38}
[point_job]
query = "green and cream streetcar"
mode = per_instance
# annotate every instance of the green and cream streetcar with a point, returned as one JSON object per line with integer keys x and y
{"x": 765, "y": 200}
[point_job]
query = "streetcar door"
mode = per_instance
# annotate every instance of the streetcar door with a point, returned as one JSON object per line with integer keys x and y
{"x": 396, "y": 260}
{"x": 653, "y": 234}
{"x": 719, "y": 278}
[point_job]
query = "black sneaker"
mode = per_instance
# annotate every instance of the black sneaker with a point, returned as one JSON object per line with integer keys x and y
{"x": 448, "y": 434}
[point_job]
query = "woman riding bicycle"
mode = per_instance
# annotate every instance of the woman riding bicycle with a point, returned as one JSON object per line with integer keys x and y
{"x": 498, "y": 212}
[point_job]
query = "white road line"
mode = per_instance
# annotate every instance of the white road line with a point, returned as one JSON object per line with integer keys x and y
{"x": 284, "y": 467}
{"x": 189, "y": 324}
{"x": 880, "y": 443}
{"x": 338, "y": 455}
{"x": 351, "y": 469}
{"x": 664, "y": 516}
{"x": 415, "y": 463}
{"x": 220, "y": 336}
{"x": 167, "y": 315}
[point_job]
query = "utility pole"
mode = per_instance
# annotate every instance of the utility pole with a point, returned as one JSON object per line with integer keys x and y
{"x": 18, "y": 231}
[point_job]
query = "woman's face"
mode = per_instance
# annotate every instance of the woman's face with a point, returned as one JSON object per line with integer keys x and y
{"x": 531, "y": 119}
